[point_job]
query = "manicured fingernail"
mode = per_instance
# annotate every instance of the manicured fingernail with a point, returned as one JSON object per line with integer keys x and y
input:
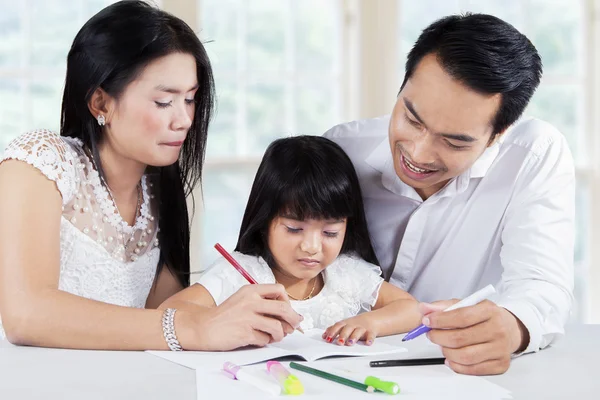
{"x": 341, "y": 341}
{"x": 329, "y": 339}
{"x": 426, "y": 321}
{"x": 369, "y": 342}
{"x": 350, "y": 341}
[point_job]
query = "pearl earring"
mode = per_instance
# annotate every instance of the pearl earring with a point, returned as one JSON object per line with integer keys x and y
{"x": 101, "y": 120}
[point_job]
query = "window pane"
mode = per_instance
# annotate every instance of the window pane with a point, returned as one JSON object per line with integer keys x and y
{"x": 510, "y": 11}
{"x": 11, "y": 110}
{"x": 557, "y": 33}
{"x": 265, "y": 41}
{"x": 226, "y": 191}
{"x": 561, "y": 105}
{"x": 314, "y": 114}
{"x": 46, "y": 97}
{"x": 316, "y": 38}
{"x": 11, "y": 35}
{"x": 416, "y": 15}
{"x": 53, "y": 28}
{"x": 266, "y": 115}
{"x": 582, "y": 208}
{"x": 222, "y": 130}
{"x": 219, "y": 33}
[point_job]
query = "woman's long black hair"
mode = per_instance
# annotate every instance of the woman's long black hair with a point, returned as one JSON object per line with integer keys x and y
{"x": 305, "y": 177}
{"x": 109, "y": 52}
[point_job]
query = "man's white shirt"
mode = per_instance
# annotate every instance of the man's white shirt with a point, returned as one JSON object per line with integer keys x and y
{"x": 507, "y": 221}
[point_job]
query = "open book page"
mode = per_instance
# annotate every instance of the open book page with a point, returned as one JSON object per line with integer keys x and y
{"x": 309, "y": 346}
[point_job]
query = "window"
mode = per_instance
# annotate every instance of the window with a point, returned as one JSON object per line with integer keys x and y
{"x": 35, "y": 37}
{"x": 277, "y": 73}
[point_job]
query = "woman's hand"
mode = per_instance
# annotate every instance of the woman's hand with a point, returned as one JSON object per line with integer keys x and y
{"x": 349, "y": 331}
{"x": 255, "y": 315}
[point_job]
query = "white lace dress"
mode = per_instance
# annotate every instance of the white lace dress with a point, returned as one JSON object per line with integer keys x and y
{"x": 351, "y": 287}
{"x": 101, "y": 256}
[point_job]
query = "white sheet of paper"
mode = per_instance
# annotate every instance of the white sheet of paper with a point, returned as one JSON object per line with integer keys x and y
{"x": 428, "y": 383}
{"x": 435, "y": 382}
{"x": 421, "y": 382}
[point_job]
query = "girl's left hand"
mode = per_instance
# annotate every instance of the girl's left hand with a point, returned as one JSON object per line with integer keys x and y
{"x": 349, "y": 331}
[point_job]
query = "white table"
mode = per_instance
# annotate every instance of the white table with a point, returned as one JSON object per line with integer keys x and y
{"x": 567, "y": 370}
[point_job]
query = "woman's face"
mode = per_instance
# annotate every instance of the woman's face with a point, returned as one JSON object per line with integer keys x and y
{"x": 151, "y": 119}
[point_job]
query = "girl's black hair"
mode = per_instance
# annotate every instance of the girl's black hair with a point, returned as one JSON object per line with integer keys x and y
{"x": 110, "y": 51}
{"x": 307, "y": 177}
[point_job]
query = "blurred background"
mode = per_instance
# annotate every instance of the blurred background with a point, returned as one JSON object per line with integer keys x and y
{"x": 288, "y": 67}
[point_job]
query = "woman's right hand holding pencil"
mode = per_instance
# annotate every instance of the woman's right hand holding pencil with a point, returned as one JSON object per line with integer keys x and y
{"x": 255, "y": 315}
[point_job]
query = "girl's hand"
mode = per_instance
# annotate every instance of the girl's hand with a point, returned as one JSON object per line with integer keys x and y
{"x": 349, "y": 331}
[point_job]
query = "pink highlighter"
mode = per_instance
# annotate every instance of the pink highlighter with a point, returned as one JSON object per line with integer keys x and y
{"x": 289, "y": 383}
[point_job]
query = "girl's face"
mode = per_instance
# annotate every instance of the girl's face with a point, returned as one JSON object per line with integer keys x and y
{"x": 302, "y": 249}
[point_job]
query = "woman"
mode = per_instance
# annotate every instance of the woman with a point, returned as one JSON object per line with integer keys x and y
{"x": 94, "y": 221}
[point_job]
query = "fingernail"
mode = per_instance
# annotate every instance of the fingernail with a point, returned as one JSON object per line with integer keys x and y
{"x": 329, "y": 339}
{"x": 341, "y": 341}
{"x": 324, "y": 335}
{"x": 350, "y": 341}
{"x": 426, "y": 321}
{"x": 369, "y": 342}
{"x": 447, "y": 362}
{"x": 301, "y": 317}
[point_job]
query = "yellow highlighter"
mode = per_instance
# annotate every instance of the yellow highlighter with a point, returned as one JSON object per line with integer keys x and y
{"x": 290, "y": 383}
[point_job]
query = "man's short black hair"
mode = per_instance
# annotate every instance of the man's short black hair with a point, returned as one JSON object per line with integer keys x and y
{"x": 486, "y": 54}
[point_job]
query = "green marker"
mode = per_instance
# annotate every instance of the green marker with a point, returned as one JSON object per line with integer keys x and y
{"x": 383, "y": 386}
{"x": 332, "y": 377}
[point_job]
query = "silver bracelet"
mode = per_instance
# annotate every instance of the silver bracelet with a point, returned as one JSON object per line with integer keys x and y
{"x": 168, "y": 326}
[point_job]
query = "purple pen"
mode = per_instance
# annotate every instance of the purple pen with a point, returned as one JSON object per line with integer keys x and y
{"x": 471, "y": 300}
{"x": 418, "y": 331}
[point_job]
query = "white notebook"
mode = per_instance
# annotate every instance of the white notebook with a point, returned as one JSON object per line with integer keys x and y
{"x": 309, "y": 346}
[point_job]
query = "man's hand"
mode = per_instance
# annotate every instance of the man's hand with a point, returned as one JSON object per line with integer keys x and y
{"x": 476, "y": 340}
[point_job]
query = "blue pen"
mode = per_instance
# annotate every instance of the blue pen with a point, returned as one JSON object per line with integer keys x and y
{"x": 471, "y": 300}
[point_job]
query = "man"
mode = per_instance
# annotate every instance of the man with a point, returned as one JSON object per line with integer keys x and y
{"x": 458, "y": 196}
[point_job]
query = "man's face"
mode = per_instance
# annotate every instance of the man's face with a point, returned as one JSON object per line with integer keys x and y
{"x": 439, "y": 127}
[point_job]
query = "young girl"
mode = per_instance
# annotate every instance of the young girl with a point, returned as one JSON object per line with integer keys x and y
{"x": 304, "y": 228}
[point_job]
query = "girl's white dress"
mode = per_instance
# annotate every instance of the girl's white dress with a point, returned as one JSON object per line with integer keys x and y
{"x": 351, "y": 287}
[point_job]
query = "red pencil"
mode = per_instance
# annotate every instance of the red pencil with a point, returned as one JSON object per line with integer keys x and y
{"x": 235, "y": 264}
{"x": 240, "y": 269}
